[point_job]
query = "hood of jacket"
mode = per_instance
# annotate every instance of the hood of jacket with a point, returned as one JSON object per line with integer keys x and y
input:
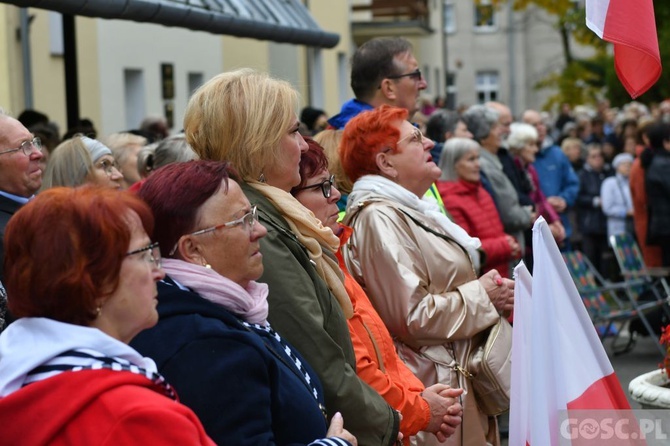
{"x": 47, "y": 406}
{"x": 32, "y": 341}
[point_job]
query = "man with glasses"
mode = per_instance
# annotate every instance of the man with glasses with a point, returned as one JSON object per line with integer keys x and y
{"x": 20, "y": 171}
{"x": 383, "y": 71}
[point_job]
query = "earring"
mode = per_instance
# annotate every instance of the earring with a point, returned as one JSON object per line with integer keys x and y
{"x": 206, "y": 265}
{"x": 261, "y": 178}
{"x": 98, "y": 311}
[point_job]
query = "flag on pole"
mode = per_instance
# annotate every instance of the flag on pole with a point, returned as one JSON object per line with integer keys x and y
{"x": 566, "y": 365}
{"x": 631, "y": 27}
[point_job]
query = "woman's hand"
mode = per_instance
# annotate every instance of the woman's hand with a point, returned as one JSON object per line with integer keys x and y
{"x": 500, "y": 290}
{"x": 444, "y": 410}
{"x": 514, "y": 247}
{"x": 337, "y": 429}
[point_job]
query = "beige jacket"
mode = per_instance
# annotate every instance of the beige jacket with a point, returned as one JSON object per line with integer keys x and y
{"x": 427, "y": 293}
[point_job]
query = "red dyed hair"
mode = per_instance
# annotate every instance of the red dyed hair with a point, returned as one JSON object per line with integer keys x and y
{"x": 313, "y": 161}
{"x": 64, "y": 250}
{"x": 365, "y": 136}
{"x": 176, "y": 192}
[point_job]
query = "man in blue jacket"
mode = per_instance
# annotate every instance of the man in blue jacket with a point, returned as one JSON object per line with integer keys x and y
{"x": 383, "y": 71}
{"x": 558, "y": 180}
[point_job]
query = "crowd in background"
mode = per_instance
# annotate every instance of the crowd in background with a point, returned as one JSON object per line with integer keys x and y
{"x": 319, "y": 279}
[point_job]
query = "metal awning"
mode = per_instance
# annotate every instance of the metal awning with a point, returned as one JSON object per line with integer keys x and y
{"x": 284, "y": 21}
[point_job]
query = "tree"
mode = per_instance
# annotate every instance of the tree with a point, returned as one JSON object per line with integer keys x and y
{"x": 584, "y": 80}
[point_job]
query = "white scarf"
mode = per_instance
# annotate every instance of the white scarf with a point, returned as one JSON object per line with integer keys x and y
{"x": 386, "y": 188}
{"x": 251, "y": 304}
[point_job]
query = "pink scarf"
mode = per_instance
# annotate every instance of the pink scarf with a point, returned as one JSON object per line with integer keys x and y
{"x": 251, "y": 304}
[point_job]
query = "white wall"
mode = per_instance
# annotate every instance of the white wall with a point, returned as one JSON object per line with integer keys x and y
{"x": 128, "y": 45}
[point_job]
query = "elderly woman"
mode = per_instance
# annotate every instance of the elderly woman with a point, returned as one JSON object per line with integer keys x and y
{"x": 615, "y": 197}
{"x": 81, "y": 277}
{"x": 213, "y": 341}
{"x": 377, "y": 362}
{"x": 522, "y": 143}
{"x": 126, "y": 147}
{"x": 81, "y": 160}
{"x": 516, "y": 216}
{"x": 249, "y": 119}
{"x": 414, "y": 263}
{"x": 471, "y": 206}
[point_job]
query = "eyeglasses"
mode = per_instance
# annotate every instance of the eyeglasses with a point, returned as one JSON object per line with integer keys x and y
{"x": 326, "y": 186}
{"x": 27, "y": 147}
{"x": 108, "y": 166}
{"x": 153, "y": 254}
{"x": 248, "y": 220}
{"x": 416, "y": 136}
{"x": 415, "y": 75}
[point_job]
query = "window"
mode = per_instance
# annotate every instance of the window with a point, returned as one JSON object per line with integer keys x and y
{"x": 343, "y": 78}
{"x": 195, "y": 80}
{"x": 56, "y": 33}
{"x": 449, "y": 16}
{"x": 487, "y": 86}
{"x": 485, "y": 16}
{"x": 451, "y": 91}
{"x": 133, "y": 81}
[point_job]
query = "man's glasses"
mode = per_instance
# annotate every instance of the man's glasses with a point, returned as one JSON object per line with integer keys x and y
{"x": 108, "y": 166}
{"x": 415, "y": 75}
{"x": 326, "y": 186}
{"x": 27, "y": 147}
{"x": 248, "y": 221}
{"x": 152, "y": 254}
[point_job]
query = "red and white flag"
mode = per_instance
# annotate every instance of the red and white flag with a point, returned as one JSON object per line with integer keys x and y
{"x": 566, "y": 367}
{"x": 630, "y": 26}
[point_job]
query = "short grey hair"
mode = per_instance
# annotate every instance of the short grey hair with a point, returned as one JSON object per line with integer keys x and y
{"x": 453, "y": 150}
{"x": 520, "y": 134}
{"x": 173, "y": 149}
{"x": 480, "y": 119}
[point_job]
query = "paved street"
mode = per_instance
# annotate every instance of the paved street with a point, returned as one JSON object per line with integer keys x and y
{"x": 644, "y": 357}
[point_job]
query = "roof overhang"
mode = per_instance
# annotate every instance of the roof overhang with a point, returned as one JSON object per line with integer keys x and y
{"x": 284, "y": 21}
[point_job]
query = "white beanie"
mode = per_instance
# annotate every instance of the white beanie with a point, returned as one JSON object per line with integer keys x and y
{"x": 95, "y": 148}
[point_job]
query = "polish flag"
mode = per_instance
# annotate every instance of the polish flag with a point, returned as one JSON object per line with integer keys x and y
{"x": 630, "y": 26}
{"x": 558, "y": 360}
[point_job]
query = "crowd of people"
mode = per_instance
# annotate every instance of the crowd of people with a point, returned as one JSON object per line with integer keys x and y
{"x": 269, "y": 277}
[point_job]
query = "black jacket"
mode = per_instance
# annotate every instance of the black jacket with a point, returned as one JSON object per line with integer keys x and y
{"x": 590, "y": 218}
{"x": 657, "y": 184}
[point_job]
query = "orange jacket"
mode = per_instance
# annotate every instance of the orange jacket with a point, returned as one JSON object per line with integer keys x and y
{"x": 377, "y": 362}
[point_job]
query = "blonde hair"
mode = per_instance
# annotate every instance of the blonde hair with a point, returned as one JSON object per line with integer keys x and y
{"x": 241, "y": 116}
{"x": 69, "y": 165}
{"x": 119, "y": 142}
{"x": 330, "y": 141}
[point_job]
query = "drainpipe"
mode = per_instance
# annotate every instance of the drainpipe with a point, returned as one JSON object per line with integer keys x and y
{"x": 511, "y": 57}
{"x": 24, "y": 33}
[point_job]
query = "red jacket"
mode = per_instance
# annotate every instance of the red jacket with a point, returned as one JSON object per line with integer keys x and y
{"x": 473, "y": 209}
{"x": 97, "y": 407}
{"x": 377, "y": 362}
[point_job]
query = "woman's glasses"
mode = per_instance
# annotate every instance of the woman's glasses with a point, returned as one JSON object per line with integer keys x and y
{"x": 108, "y": 166}
{"x": 248, "y": 221}
{"x": 152, "y": 254}
{"x": 325, "y": 186}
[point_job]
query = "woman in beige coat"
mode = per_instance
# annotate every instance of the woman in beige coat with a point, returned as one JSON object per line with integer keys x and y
{"x": 417, "y": 267}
